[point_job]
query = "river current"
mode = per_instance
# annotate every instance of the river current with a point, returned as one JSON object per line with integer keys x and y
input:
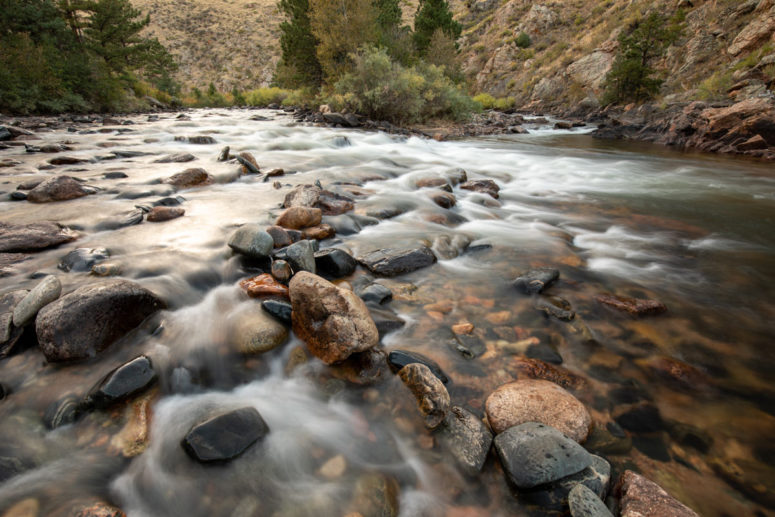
{"x": 692, "y": 231}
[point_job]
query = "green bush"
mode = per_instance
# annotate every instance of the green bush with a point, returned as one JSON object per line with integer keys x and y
{"x": 266, "y": 96}
{"x": 488, "y": 102}
{"x": 522, "y": 40}
{"x": 382, "y": 89}
{"x": 485, "y": 100}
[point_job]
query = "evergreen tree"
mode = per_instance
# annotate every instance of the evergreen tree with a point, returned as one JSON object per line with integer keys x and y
{"x": 113, "y": 33}
{"x": 341, "y": 27}
{"x": 631, "y": 76}
{"x": 299, "y": 65}
{"x": 432, "y": 15}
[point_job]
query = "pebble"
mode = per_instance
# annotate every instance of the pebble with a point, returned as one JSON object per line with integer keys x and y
{"x": 281, "y": 270}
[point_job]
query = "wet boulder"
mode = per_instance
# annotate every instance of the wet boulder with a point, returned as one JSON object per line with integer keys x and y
{"x": 533, "y": 454}
{"x": 254, "y": 332}
{"x": 395, "y": 261}
{"x": 640, "y": 496}
{"x": 483, "y": 186}
{"x": 201, "y": 140}
{"x": 280, "y": 236}
{"x": 374, "y": 293}
{"x": 335, "y": 263}
{"x": 536, "y": 280}
{"x": 554, "y": 496}
{"x": 123, "y": 382}
{"x": 333, "y": 322}
{"x": 531, "y": 400}
{"x": 83, "y": 323}
{"x": 224, "y": 437}
{"x": 397, "y": 359}
{"x": 432, "y": 397}
{"x": 160, "y": 214}
{"x": 190, "y": 178}
{"x": 278, "y": 309}
{"x": 443, "y": 199}
{"x": 466, "y": 439}
{"x": 330, "y": 203}
{"x": 633, "y": 306}
{"x": 301, "y": 256}
{"x": 251, "y": 240}
{"x": 41, "y": 295}
{"x": 319, "y": 232}
{"x": 67, "y": 160}
{"x": 299, "y": 217}
{"x": 248, "y": 163}
{"x": 58, "y": 188}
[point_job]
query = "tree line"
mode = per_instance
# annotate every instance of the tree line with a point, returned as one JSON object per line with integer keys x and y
{"x": 77, "y": 55}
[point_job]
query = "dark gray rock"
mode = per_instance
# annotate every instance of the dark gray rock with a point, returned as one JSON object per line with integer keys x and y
{"x": 536, "y": 280}
{"x": 385, "y": 320}
{"x": 223, "y": 156}
{"x": 33, "y": 237}
{"x": 467, "y": 439}
{"x": 543, "y": 352}
{"x": 584, "y": 502}
{"x": 374, "y": 293}
{"x": 114, "y": 175}
{"x": 41, "y": 295}
{"x": 4, "y": 391}
{"x": 397, "y": 359}
{"x": 18, "y": 195}
{"x": 301, "y": 256}
{"x": 641, "y": 418}
{"x": 201, "y": 140}
{"x": 169, "y": 201}
{"x": 85, "y": 322}
{"x": 468, "y": 345}
{"x": 554, "y": 496}
{"x": 280, "y": 236}
{"x": 533, "y": 454}
{"x": 278, "y": 309}
{"x": 395, "y": 261}
{"x": 82, "y": 259}
{"x": 251, "y": 240}
{"x": 224, "y": 437}
{"x": 5, "y": 134}
{"x": 123, "y": 382}
{"x": 335, "y": 263}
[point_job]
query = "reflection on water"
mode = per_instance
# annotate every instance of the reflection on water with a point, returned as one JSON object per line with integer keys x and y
{"x": 692, "y": 231}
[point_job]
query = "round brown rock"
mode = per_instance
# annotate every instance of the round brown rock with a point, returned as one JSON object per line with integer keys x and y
{"x": 160, "y": 214}
{"x": 298, "y": 217}
{"x": 190, "y": 178}
{"x": 532, "y": 400}
{"x": 333, "y": 322}
{"x": 58, "y": 188}
{"x": 432, "y": 397}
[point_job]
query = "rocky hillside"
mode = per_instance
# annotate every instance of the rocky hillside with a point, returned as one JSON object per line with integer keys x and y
{"x": 726, "y": 49}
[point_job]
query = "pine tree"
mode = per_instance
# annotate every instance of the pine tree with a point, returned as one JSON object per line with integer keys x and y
{"x": 299, "y": 65}
{"x": 341, "y": 27}
{"x": 432, "y": 15}
{"x": 113, "y": 33}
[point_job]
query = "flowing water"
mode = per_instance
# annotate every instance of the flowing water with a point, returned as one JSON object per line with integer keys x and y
{"x": 693, "y": 231}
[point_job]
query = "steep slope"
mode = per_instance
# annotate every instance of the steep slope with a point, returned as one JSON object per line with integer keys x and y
{"x": 226, "y": 42}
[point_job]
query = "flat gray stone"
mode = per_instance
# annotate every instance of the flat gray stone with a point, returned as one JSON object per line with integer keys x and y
{"x": 41, "y": 295}
{"x": 467, "y": 439}
{"x": 393, "y": 261}
{"x": 301, "y": 256}
{"x": 252, "y": 240}
{"x": 533, "y": 454}
{"x": 584, "y": 502}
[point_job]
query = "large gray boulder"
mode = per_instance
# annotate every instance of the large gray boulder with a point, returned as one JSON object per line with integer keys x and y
{"x": 58, "y": 188}
{"x": 88, "y": 320}
{"x": 15, "y": 238}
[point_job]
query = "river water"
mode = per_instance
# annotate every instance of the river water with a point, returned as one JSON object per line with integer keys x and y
{"x": 692, "y": 231}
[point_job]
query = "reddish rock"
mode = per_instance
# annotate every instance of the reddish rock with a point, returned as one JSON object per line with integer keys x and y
{"x": 641, "y": 497}
{"x": 319, "y": 232}
{"x": 16, "y": 238}
{"x": 58, "y": 188}
{"x": 263, "y": 285}
{"x": 538, "y": 369}
{"x": 443, "y": 199}
{"x": 249, "y": 158}
{"x": 532, "y": 400}
{"x": 299, "y": 217}
{"x": 98, "y": 510}
{"x": 463, "y": 328}
{"x": 677, "y": 372}
{"x": 280, "y": 236}
{"x": 753, "y": 143}
{"x": 313, "y": 196}
{"x": 483, "y": 186}
{"x": 159, "y": 214}
{"x": 190, "y": 178}
{"x": 333, "y": 322}
{"x": 634, "y": 306}
{"x": 757, "y": 32}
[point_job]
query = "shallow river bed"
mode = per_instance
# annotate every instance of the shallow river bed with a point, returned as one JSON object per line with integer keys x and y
{"x": 692, "y": 231}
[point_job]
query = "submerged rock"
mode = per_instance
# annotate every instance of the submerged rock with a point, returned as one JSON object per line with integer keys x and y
{"x": 64, "y": 411}
{"x": 554, "y": 496}
{"x": 41, "y": 295}
{"x": 395, "y": 261}
{"x": 224, "y": 437}
{"x": 85, "y": 322}
{"x": 432, "y": 397}
{"x": 633, "y": 306}
{"x": 83, "y": 259}
{"x": 531, "y": 400}
{"x": 640, "y": 496}
{"x": 15, "y": 238}
{"x": 467, "y": 439}
{"x": 554, "y": 306}
{"x": 333, "y": 322}
{"x": 374, "y": 293}
{"x": 376, "y": 495}
{"x": 58, "y": 188}
{"x": 123, "y": 382}
{"x": 534, "y": 454}
{"x": 536, "y": 280}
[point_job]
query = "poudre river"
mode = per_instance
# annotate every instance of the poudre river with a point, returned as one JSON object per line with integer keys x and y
{"x": 685, "y": 397}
